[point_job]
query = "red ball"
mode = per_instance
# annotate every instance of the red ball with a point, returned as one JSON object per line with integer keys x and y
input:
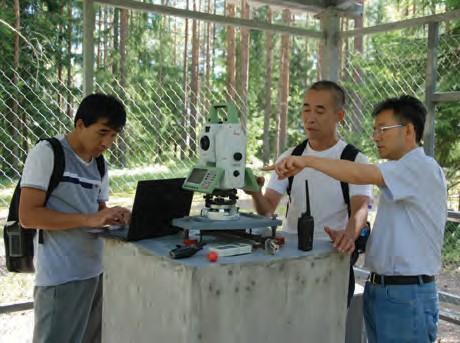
{"x": 212, "y": 256}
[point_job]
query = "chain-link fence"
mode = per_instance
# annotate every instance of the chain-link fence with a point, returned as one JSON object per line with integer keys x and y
{"x": 157, "y": 141}
{"x": 163, "y": 123}
{"x": 451, "y": 248}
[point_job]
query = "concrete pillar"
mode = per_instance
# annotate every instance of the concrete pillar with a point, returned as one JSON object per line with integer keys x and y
{"x": 292, "y": 297}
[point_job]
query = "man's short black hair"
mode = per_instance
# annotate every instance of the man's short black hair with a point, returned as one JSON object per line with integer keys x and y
{"x": 408, "y": 110}
{"x": 101, "y": 106}
{"x": 337, "y": 91}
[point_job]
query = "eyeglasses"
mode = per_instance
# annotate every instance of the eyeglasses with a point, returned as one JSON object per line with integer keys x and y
{"x": 380, "y": 130}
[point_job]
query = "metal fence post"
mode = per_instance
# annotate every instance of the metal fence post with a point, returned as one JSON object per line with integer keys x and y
{"x": 329, "y": 46}
{"x": 430, "y": 87}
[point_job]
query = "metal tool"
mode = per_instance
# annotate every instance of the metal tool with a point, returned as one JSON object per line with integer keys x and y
{"x": 185, "y": 251}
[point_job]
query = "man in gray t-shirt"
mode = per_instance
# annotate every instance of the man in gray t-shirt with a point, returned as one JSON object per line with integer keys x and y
{"x": 404, "y": 248}
{"x": 68, "y": 263}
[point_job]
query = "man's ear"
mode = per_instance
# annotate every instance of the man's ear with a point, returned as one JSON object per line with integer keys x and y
{"x": 410, "y": 131}
{"x": 341, "y": 115}
{"x": 80, "y": 124}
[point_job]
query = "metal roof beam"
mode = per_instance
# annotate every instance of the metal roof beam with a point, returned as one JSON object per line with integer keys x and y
{"x": 214, "y": 18}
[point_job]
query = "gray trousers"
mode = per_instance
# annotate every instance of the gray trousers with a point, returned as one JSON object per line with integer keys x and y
{"x": 71, "y": 312}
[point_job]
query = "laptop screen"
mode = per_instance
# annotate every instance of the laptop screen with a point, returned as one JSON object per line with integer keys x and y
{"x": 156, "y": 203}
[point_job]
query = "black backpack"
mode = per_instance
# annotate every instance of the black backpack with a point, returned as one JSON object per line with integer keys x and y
{"x": 19, "y": 242}
{"x": 349, "y": 153}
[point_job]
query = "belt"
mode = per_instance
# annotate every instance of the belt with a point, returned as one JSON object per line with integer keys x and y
{"x": 377, "y": 279}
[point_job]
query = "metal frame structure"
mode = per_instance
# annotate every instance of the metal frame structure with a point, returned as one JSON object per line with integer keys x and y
{"x": 432, "y": 98}
{"x": 329, "y": 34}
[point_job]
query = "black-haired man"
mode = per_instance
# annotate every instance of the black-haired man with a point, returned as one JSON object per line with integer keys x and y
{"x": 68, "y": 293}
{"x": 322, "y": 111}
{"x": 404, "y": 249}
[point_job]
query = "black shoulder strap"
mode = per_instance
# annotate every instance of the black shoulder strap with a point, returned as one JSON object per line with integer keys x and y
{"x": 298, "y": 151}
{"x": 349, "y": 153}
{"x": 100, "y": 165}
{"x": 56, "y": 175}
{"x": 59, "y": 165}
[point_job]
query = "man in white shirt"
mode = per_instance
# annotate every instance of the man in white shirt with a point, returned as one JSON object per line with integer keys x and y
{"x": 322, "y": 111}
{"x": 404, "y": 248}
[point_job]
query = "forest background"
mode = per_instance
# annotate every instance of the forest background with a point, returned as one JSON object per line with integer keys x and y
{"x": 169, "y": 71}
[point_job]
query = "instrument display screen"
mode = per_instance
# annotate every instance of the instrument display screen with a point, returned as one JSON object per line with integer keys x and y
{"x": 197, "y": 175}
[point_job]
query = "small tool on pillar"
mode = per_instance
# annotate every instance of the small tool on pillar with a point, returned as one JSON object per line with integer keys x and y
{"x": 271, "y": 246}
{"x": 185, "y": 251}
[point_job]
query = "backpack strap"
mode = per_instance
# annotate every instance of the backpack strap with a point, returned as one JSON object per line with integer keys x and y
{"x": 298, "y": 151}
{"x": 56, "y": 175}
{"x": 59, "y": 165}
{"x": 349, "y": 153}
{"x": 100, "y": 165}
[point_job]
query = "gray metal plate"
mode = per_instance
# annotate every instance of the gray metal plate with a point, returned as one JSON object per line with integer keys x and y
{"x": 245, "y": 221}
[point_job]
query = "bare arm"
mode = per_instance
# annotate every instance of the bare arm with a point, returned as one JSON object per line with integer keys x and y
{"x": 358, "y": 217}
{"x": 344, "y": 240}
{"x": 346, "y": 171}
{"x": 266, "y": 204}
{"x": 33, "y": 214}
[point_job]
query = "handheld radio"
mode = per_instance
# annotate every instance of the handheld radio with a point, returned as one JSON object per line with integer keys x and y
{"x": 306, "y": 226}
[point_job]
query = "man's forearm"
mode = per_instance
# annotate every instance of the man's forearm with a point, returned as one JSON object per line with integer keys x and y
{"x": 262, "y": 205}
{"x": 346, "y": 171}
{"x": 356, "y": 223}
{"x": 44, "y": 218}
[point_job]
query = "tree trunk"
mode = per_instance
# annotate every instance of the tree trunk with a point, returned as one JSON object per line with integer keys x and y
{"x": 244, "y": 65}
{"x": 356, "y": 102}
{"x": 307, "y": 24}
{"x": 106, "y": 35}
{"x": 283, "y": 86}
{"x": 116, "y": 25}
{"x": 161, "y": 46}
{"x": 99, "y": 30}
{"x": 268, "y": 92}
{"x": 175, "y": 43}
{"x": 213, "y": 53}
{"x": 59, "y": 62}
{"x": 124, "y": 16}
{"x": 231, "y": 55}
{"x": 12, "y": 153}
{"x": 208, "y": 48}
{"x": 195, "y": 85}
{"x": 185, "y": 119}
{"x": 69, "y": 60}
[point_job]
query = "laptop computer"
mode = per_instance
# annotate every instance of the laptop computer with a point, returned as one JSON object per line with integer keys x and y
{"x": 156, "y": 203}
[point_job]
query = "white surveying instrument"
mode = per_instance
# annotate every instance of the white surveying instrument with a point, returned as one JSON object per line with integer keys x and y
{"x": 221, "y": 168}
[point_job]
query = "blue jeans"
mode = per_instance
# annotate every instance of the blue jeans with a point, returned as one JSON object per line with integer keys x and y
{"x": 401, "y": 313}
